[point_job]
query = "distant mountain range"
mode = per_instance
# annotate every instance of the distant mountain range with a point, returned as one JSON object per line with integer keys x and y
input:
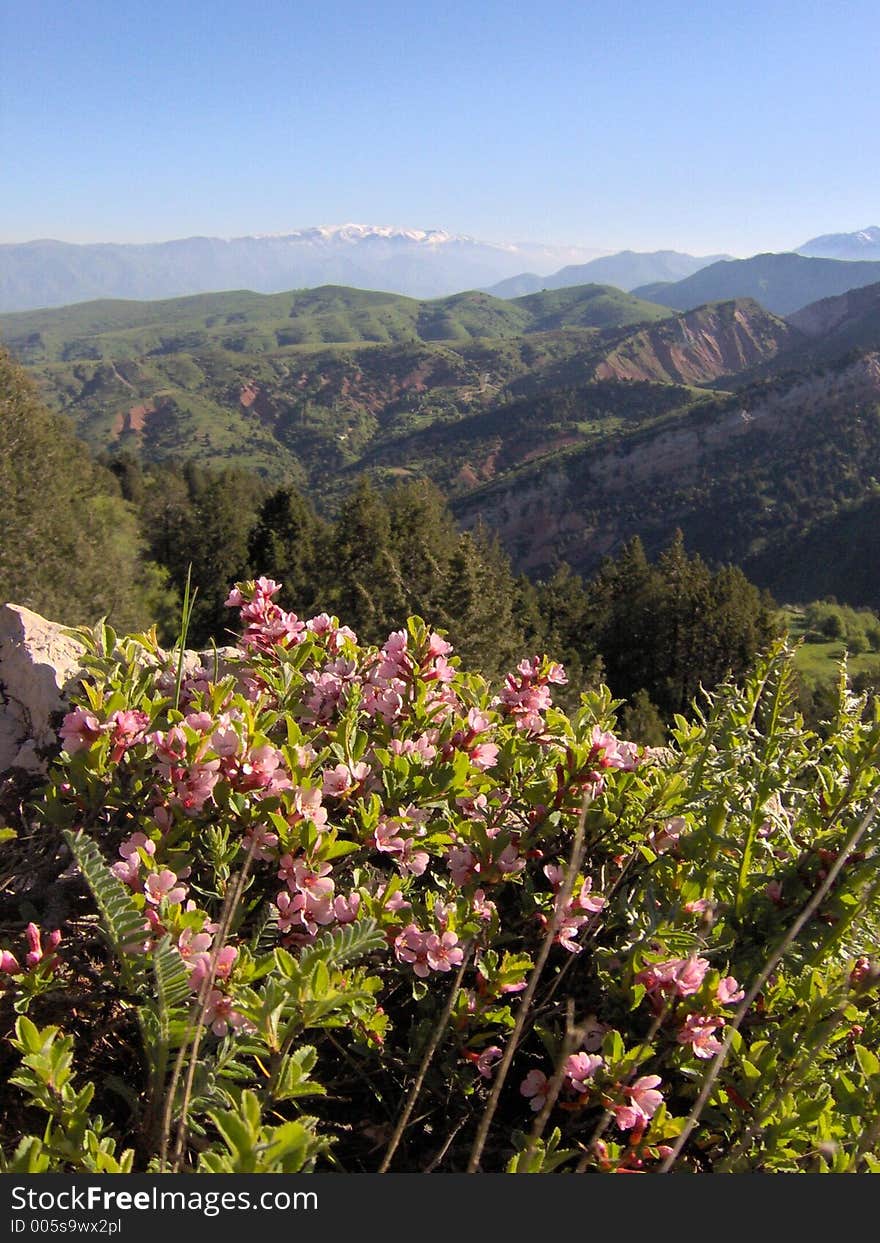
{"x": 418, "y": 262}
{"x": 626, "y": 270}
{"x": 864, "y": 244}
{"x": 425, "y": 264}
{"x": 781, "y": 283}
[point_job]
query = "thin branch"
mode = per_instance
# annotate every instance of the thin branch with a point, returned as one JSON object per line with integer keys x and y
{"x": 510, "y": 1048}
{"x": 436, "y": 1035}
{"x": 230, "y": 904}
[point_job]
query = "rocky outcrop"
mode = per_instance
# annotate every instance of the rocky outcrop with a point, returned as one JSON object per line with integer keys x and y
{"x": 40, "y": 667}
{"x": 700, "y": 347}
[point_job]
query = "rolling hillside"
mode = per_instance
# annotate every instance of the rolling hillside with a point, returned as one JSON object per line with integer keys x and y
{"x": 567, "y": 420}
{"x": 243, "y": 322}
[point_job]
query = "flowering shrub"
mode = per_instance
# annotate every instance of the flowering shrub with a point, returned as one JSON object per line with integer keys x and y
{"x": 363, "y": 877}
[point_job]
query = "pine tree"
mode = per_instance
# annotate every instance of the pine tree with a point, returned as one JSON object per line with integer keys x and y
{"x": 289, "y": 543}
{"x": 70, "y": 545}
{"x": 368, "y": 589}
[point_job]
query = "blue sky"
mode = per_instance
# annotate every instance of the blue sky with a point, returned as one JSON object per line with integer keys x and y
{"x": 703, "y": 127}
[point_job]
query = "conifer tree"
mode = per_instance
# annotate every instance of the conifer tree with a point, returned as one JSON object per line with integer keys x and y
{"x": 288, "y": 543}
{"x": 70, "y": 546}
{"x": 367, "y": 582}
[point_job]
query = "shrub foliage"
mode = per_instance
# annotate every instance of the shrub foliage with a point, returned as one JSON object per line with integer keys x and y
{"x": 354, "y": 907}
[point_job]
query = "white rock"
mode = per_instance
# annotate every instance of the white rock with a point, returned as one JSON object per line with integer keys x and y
{"x": 39, "y": 669}
{"x": 38, "y": 665}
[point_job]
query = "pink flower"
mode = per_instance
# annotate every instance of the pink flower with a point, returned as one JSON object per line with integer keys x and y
{"x": 555, "y": 874}
{"x": 35, "y": 949}
{"x": 79, "y": 730}
{"x": 36, "y": 953}
{"x": 170, "y": 746}
{"x": 462, "y": 864}
{"x": 129, "y": 869}
{"x": 201, "y": 966}
{"x": 443, "y": 953}
{"x": 132, "y": 846}
{"x": 307, "y": 804}
{"x": 482, "y": 907}
{"x": 534, "y": 1087}
{"x": 340, "y": 781}
{"x": 612, "y": 752}
{"x": 159, "y": 885}
{"x": 261, "y": 840}
{"x": 579, "y": 1069}
{"x": 509, "y": 862}
{"x": 397, "y": 902}
{"x": 410, "y": 946}
{"x": 644, "y": 1101}
{"x": 190, "y": 943}
{"x": 438, "y": 646}
{"x": 587, "y": 901}
{"x": 128, "y": 728}
{"x": 682, "y": 976}
{"x": 698, "y": 1031}
{"x": 484, "y": 755}
{"x": 258, "y": 770}
{"x": 729, "y": 991}
{"x": 315, "y": 881}
{"x": 8, "y": 963}
{"x": 304, "y": 910}
{"x": 346, "y": 908}
{"x": 668, "y": 835}
{"x": 486, "y": 1061}
{"x": 225, "y": 742}
{"x": 411, "y": 861}
{"x": 193, "y": 789}
{"x": 221, "y": 1016}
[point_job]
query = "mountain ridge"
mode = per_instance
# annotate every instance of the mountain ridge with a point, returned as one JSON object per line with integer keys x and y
{"x": 416, "y": 262}
{"x": 626, "y": 269}
{"x": 783, "y": 283}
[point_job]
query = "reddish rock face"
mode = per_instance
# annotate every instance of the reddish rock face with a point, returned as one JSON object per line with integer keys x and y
{"x": 701, "y": 346}
{"x": 249, "y": 395}
{"x": 133, "y": 419}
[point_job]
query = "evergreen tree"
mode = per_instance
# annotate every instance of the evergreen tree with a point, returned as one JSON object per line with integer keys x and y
{"x": 479, "y": 600}
{"x": 289, "y": 543}
{"x": 423, "y": 538}
{"x": 217, "y": 545}
{"x": 70, "y": 546}
{"x": 368, "y": 589}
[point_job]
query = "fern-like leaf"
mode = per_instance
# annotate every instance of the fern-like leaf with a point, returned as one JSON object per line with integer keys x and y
{"x": 342, "y": 945}
{"x": 124, "y": 924}
{"x": 173, "y": 995}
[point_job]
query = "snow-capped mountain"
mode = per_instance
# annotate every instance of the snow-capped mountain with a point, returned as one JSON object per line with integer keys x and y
{"x": 423, "y": 263}
{"x": 863, "y": 244}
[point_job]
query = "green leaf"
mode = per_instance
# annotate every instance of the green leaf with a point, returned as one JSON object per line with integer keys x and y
{"x": 123, "y": 922}
{"x": 868, "y": 1061}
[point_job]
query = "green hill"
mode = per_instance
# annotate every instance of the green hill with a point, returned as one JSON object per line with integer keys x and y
{"x": 241, "y": 322}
